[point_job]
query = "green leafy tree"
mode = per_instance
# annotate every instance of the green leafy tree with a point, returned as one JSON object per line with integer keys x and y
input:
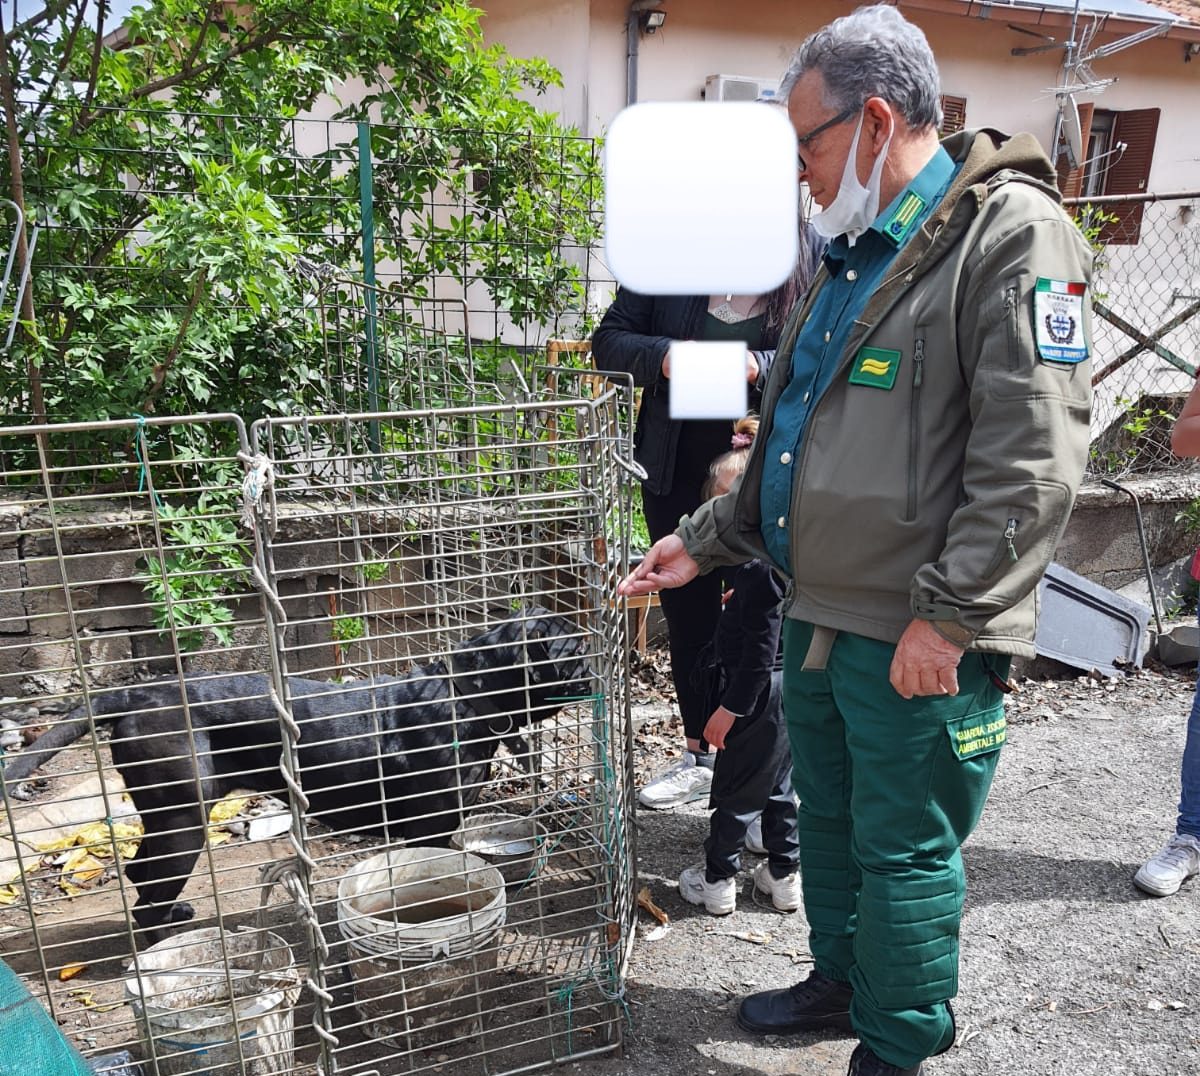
{"x": 180, "y": 220}
{"x": 186, "y": 226}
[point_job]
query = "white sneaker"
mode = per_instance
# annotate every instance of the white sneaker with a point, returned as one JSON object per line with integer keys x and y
{"x": 682, "y": 783}
{"x": 754, "y": 841}
{"x": 784, "y": 892}
{"x": 1178, "y": 861}
{"x": 718, "y": 898}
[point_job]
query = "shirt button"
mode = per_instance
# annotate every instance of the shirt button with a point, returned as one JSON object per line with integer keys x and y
{"x": 781, "y": 521}
{"x": 806, "y": 396}
{"x": 851, "y": 274}
{"x": 827, "y": 337}
{"x": 786, "y": 458}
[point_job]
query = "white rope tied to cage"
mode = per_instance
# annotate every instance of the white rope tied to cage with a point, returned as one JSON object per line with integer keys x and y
{"x": 259, "y": 482}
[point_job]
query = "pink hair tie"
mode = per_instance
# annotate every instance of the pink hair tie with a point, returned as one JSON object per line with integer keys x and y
{"x": 742, "y": 440}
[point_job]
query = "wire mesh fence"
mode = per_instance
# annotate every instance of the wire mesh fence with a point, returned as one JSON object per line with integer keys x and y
{"x": 1146, "y": 304}
{"x": 336, "y": 712}
{"x": 194, "y": 281}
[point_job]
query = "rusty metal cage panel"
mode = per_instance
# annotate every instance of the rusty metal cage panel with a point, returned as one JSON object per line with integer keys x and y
{"x": 338, "y": 729}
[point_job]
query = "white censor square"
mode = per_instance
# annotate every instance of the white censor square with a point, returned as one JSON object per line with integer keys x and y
{"x": 708, "y": 379}
{"x": 701, "y": 198}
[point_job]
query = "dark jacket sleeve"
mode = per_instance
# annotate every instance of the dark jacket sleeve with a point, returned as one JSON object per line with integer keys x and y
{"x": 757, "y": 601}
{"x": 622, "y": 342}
{"x": 765, "y": 359}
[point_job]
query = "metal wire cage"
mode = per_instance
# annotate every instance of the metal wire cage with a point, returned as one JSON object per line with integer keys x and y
{"x": 364, "y": 672}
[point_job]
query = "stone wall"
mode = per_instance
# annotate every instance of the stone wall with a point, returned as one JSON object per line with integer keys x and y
{"x": 1101, "y": 540}
{"x": 434, "y": 581}
{"x": 437, "y": 572}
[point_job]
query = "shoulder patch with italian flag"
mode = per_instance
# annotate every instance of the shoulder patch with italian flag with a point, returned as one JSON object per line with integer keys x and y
{"x": 1058, "y": 320}
{"x": 875, "y": 366}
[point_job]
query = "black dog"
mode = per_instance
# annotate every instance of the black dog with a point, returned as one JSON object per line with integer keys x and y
{"x": 417, "y": 747}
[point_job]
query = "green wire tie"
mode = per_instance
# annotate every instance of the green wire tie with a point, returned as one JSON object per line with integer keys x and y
{"x": 565, "y": 996}
{"x": 144, "y": 469}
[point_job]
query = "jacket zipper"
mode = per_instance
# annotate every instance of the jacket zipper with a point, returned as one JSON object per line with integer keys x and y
{"x": 1012, "y": 320}
{"x": 1007, "y": 547}
{"x": 914, "y": 426}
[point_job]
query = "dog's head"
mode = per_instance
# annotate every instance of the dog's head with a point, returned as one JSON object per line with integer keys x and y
{"x": 524, "y": 668}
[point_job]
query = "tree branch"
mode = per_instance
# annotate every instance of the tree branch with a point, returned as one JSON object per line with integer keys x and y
{"x": 64, "y": 59}
{"x": 185, "y": 74}
{"x": 17, "y": 188}
{"x": 161, "y": 369}
{"x": 254, "y": 44}
{"x": 199, "y": 42}
{"x": 94, "y": 70}
{"x": 51, "y": 11}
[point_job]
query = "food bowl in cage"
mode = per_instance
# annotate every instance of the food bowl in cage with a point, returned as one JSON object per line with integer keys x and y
{"x": 423, "y": 926}
{"x": 514, "y": 844}
{"x": 209, "y": 1001}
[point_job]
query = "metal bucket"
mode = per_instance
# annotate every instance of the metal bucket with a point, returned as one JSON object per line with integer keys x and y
{"x": 423, "y": 926}
{"x": 514, "y": 844}
{"x": 180, "y": 992}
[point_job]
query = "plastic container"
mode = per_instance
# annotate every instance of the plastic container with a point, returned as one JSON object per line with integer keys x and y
{"x": 423, "y": 926}
{"x": 180, "y": 993}
{"x": 514, "y": 844}
{"x": 119, "y": 1064}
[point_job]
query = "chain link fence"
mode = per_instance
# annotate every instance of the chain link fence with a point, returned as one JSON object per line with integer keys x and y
{"x": 1146, "y": 303}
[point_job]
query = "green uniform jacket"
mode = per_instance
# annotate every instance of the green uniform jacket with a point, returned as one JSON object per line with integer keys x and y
{"x": 943, "y": 497}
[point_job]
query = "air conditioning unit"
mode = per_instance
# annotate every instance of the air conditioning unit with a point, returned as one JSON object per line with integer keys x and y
{"x": 738, "y": 88}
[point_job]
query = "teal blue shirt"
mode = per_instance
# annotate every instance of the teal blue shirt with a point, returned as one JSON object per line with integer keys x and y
{"x": 855, "y": 272}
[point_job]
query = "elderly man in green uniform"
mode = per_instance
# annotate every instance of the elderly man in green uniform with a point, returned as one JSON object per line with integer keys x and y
{"x": 923, "y": 434}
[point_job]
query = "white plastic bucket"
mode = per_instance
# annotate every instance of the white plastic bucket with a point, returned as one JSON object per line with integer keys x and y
{"x": 423, "y": 926}
{"x": 180, "y": 993}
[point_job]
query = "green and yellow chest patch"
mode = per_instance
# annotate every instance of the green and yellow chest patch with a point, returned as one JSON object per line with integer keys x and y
{"x": 876, "y": 367}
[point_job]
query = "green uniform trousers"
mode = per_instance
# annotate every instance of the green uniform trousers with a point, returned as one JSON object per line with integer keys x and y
{"x": 889, "y": 789}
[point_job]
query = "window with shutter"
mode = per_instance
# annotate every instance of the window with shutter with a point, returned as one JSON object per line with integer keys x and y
{"x": 954, "y": 114}
{"x": 1107, "y": 168}
{"x": 1129, "y": 172}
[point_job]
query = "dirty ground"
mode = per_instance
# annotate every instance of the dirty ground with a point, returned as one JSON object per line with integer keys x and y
{"x": 1066, "y": 967}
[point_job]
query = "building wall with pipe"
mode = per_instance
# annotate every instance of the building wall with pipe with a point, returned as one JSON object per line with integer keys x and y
{"x": 586, "y": 40}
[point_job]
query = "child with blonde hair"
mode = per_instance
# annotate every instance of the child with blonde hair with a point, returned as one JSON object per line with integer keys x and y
{"x": 739, "y": 675}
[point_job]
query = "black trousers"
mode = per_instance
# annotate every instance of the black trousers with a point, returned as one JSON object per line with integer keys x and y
{"x": 690, "y": 611}
{"x": 753, "y": 774}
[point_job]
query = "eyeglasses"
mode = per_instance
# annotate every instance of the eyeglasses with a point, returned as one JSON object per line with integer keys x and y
{"x": 804, "y": 140}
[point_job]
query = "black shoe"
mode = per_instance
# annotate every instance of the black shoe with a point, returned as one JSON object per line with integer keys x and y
{"x": 815, "y": 1004}
{"x": 865, "y": 1062}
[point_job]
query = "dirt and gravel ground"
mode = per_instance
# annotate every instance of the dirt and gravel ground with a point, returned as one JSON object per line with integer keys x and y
{"x": 1066, "y": 967}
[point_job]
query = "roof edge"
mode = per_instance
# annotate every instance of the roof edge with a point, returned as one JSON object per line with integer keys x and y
{"x": 1033, "y": 13}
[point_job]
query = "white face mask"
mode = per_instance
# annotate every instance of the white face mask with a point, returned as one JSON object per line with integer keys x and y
{"x": 855, "y": 207}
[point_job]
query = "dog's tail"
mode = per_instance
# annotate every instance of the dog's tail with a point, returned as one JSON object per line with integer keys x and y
{"x": 62, "y": 734}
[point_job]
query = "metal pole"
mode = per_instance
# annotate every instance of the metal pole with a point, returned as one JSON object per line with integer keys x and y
{"x": 366, "y": 204}
{"x": 1137, "y": 514}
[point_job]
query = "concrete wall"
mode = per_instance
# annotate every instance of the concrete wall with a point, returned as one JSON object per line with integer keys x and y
{"x": 586, "y": 40}
{"x": 1101, "y": 540}
{"x": 408, "y": 612}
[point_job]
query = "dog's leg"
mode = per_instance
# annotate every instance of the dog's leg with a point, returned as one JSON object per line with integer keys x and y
{"x": 172, "y": 843}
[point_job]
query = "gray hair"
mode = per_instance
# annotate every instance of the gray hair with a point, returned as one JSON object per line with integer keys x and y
{"x": 872, "y": 52}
